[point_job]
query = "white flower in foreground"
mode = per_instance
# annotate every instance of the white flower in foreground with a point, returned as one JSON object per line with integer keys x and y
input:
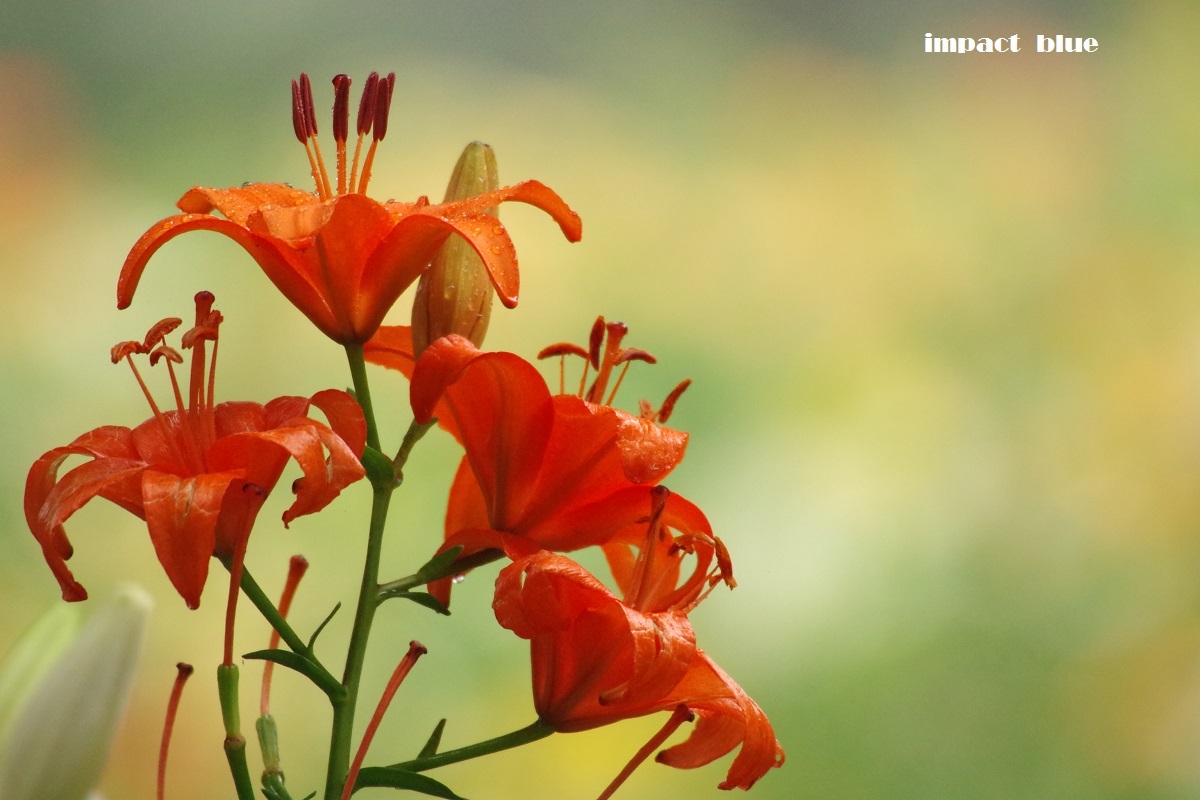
{"x": 62, "y": 691}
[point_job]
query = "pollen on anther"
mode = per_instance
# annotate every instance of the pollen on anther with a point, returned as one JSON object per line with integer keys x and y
{"x": 594, "y": 341}
{"x": 310, "y": 115}
{"x": 562, "y": 349}
{"x": 383, "y": 104}
{"x": 122, "y": 350}
{"x": 160, "y": 330}
{"x": 164, "y": 351}
{"x": 298, "y": 122}
{"x": 668, "y": 405}
{"x": 634, "y": 354}
{"x": 341, "y": 106}
{"x": 366, "y": 105}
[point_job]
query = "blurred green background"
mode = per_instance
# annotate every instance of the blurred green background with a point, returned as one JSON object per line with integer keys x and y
{"x": 942, "y": 315}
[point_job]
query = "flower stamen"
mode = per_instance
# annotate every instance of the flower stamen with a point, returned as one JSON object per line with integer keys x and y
{"x": 184, "y": 671}
{"x": 681, "y": 715}
{"x": 305, "y": 125}
{"x": 297, "y": 566}
{"x": 383, "y": 104}
{"x": 341, "y": 121}
{"x": 415, "y": 651}
{"x": 366, "y": 116}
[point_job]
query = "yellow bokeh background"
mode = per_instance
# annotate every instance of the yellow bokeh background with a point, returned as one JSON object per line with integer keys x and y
{"x": 942, "y": 315}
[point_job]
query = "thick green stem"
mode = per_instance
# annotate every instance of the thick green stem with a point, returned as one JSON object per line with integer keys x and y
{"x": 415, "y": 431}
{"x": 362, "y": 391}
{"x": 235, "y": 743}
{"x": 530, "y": 733}
{"x": 343, "y": 710}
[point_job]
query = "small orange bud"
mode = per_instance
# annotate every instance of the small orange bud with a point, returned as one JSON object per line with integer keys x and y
{"x": 455, "y": 294}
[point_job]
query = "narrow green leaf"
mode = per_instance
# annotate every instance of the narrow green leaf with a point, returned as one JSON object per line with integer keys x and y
{"x": 403, "y": 779}
{"x": 420, "y": 598}
{"x": 286, "y": 658}
{"x": 436, "y": 567}
{"x": 435, "y": 739}
{"x": 312, "y": 640}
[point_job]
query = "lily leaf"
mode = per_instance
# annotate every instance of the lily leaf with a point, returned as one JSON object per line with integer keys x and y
{"x": 403, "y": 779}
{"x": 312, "y": 640}
{"x": 435, "y": 739}
{"x": 420, "y": 598}
{"x": 436, "y": 567}
{"x": 286, "y": 658}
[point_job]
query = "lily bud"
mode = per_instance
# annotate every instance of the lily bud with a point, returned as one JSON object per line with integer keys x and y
{"x": 455, "y": 294}
{"x": 62, "y": 716}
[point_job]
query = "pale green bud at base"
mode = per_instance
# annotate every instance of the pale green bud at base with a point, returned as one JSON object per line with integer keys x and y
{"x": 58, "y": 739}
{"x": 455, "y": 294}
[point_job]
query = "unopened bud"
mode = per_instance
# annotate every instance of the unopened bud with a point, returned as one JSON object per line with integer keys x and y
{"x": 60, "y": 727}
{"x": 455, "y": 294}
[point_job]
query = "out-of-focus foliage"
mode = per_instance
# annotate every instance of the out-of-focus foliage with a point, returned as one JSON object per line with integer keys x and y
{"x": 942, "y": 314}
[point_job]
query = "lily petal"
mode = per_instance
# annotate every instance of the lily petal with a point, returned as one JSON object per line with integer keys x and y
{"x": 181, "y": 514}
{"x": 288, "y": 269}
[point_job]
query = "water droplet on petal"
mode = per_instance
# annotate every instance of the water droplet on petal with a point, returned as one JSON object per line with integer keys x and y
{"x": 458, "y": 579}
{"x": 496, "y": 249}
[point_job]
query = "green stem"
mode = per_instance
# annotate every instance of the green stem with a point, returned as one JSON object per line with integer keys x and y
{"x": 362, "y": 391}
{"x": 455, "y": 567}
{"x": 343, "y": 710}
{"x": 413, "y": 435}
{"x": 530, "y": 733}
{"x": 235, "y": 743}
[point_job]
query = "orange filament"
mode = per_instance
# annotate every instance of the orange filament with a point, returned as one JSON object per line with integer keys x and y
{"x": 415, "y": 651}
{"x": 681, "y": 715}
{"x": 195, "y": 432}
{"x": 184, "y": 672}
{"x": 297, "y": 566}
{"x": 366, "y": 116}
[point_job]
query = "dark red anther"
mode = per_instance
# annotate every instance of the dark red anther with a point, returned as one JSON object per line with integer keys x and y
{"x": 341, "y": 107}
{"x": 298, "y": 123}
{"x": 167, "y": 352}
{"x": 635, "y": 354}
{"x": 122, "y": 350}
{"x": 366, "y": 106}
{"x": 310, "y": 114}
{"x": 383, "y": 103}
{"x": 562, "y": 349}
{"x": 595, "y": 339}
{"x": 160, "y": 330}
{"x": 668, "y": 405}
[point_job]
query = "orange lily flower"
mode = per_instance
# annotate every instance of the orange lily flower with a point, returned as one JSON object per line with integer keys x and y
{"x": 544, "y": 470}
{"x": 197, "y": 474}
{"x": 598, "y": 658}
{"x": 648, "y": 449}
{"x": 340, "y": 257}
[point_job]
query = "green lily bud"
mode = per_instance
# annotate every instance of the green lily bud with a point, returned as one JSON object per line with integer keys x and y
{"x": 455, "y": 294}
{"x": 61, "y": 724}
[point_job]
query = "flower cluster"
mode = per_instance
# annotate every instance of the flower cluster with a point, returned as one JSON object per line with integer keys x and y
{"x": 543, "y": 472}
